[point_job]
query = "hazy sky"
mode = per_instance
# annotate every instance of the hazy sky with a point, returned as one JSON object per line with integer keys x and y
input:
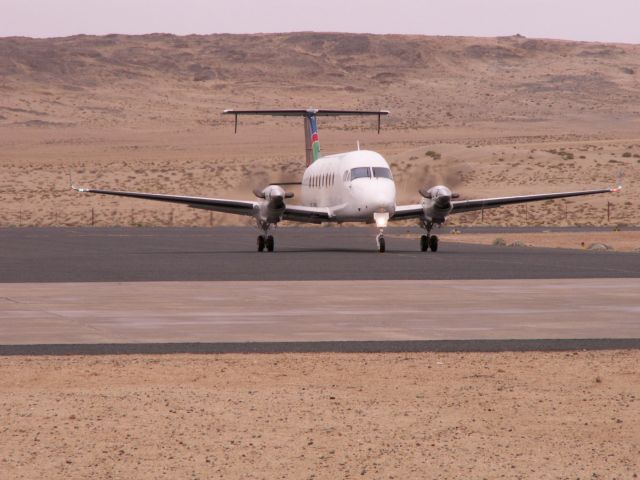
{"x": 598, "y": 20}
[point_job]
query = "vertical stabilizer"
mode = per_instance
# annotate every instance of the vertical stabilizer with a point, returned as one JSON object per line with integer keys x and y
{"x": 311, "y": 138}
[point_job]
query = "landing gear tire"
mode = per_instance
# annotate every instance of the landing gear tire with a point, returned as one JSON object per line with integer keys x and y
{"x": 433, "y": 243}
{"x": 270, "y": 243}
{"x": 261, "y": 243}
{"x": 381, "y": 245}
{"x": 424, "y": 243}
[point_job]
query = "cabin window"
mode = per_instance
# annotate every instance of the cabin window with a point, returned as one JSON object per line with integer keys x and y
{"x": 360, "y": 172}
{"x": 382, "y": 172}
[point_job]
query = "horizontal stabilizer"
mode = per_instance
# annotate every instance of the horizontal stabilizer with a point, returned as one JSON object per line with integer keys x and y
{"x": 302, "y": 113}
{"x": 312, "y": 140}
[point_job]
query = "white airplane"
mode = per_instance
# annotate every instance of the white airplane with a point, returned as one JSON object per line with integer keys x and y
{"x": 355, "y": 186}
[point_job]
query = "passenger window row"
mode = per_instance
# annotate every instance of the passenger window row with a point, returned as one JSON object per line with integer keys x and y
{"x": 318, "y": 181}
{"x": 328, "y": 179}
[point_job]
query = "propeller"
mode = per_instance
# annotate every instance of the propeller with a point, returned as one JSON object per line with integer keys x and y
{"x": 272, "y": 192}
{"x": 422, "y": 177}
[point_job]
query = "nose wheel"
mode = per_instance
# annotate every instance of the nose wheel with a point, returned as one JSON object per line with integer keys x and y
{"x": 380, "y": 242}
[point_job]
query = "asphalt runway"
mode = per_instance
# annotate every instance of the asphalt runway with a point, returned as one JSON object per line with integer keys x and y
{"x": 199, "y": 290}
{"x": 229, "y": 254}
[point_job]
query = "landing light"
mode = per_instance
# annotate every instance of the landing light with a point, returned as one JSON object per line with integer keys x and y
{"x": 381, "y": 219}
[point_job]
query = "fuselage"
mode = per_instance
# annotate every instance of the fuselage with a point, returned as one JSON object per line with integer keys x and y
{"x": 352, "y": 185}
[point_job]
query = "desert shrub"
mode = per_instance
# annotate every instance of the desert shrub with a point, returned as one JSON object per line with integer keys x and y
{"x": 432, "y": 154}
{"x": 626, "y": 155}
{"x": 499, "y": 242}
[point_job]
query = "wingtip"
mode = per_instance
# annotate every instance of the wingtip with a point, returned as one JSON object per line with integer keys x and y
{"x": 73, "y": 187}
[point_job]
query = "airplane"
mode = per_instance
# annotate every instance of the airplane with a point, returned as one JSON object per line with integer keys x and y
{"x": 355, "y": 186}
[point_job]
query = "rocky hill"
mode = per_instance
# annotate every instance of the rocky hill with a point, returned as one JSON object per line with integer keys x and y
{"x": 426, "y": 81}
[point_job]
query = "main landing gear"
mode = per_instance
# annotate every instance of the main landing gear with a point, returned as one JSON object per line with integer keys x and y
{"x": 429, "y": 241}
{"x": 265, "y": 241}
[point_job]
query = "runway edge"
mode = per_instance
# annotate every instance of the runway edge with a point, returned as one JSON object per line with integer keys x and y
{"x": 410, "y": 346}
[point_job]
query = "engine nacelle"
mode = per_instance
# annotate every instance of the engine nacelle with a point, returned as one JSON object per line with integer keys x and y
{"x": 273, "y": 205}
{"x": 436, "y": 203}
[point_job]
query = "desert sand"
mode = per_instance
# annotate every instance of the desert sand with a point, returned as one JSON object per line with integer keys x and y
{"x": 616, "y": 240}
{"x": 488, "y": 117}
{"x": 432, "y": 415}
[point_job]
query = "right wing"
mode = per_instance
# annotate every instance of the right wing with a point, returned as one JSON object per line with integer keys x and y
{"x": 239, "y": 207}
{"x": 294, "y": 213}
{"x": 299, "y": 213}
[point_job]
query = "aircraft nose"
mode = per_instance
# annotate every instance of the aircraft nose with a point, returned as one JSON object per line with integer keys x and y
{"x": 385, "y": 200}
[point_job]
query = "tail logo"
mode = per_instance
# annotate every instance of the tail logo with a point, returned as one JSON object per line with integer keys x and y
{"x": 315, "y": 139}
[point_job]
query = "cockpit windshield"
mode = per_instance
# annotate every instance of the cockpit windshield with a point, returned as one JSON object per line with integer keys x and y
{"x": 360, "y": 172}
{"x": 382, "y": 172}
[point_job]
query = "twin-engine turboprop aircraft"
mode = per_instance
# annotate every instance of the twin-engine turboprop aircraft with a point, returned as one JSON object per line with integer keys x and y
{"x": 354, "y": 186}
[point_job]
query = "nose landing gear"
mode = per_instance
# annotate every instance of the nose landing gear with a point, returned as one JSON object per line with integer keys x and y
{"x": 380, "y": 242}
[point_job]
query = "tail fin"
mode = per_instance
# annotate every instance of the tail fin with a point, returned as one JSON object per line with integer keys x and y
{"x": 312, "y": 140}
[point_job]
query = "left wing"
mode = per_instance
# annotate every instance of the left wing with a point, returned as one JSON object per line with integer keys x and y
{"x": 461, "y": 206}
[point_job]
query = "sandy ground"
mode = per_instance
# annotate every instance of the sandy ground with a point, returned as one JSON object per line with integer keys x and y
{"x": 487, "y": 117}
{"x": 628, "y": 241}
{"x": 431, "y": 415}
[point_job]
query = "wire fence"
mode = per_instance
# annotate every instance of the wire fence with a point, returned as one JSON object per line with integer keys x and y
{"x": 555, "y": 214}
